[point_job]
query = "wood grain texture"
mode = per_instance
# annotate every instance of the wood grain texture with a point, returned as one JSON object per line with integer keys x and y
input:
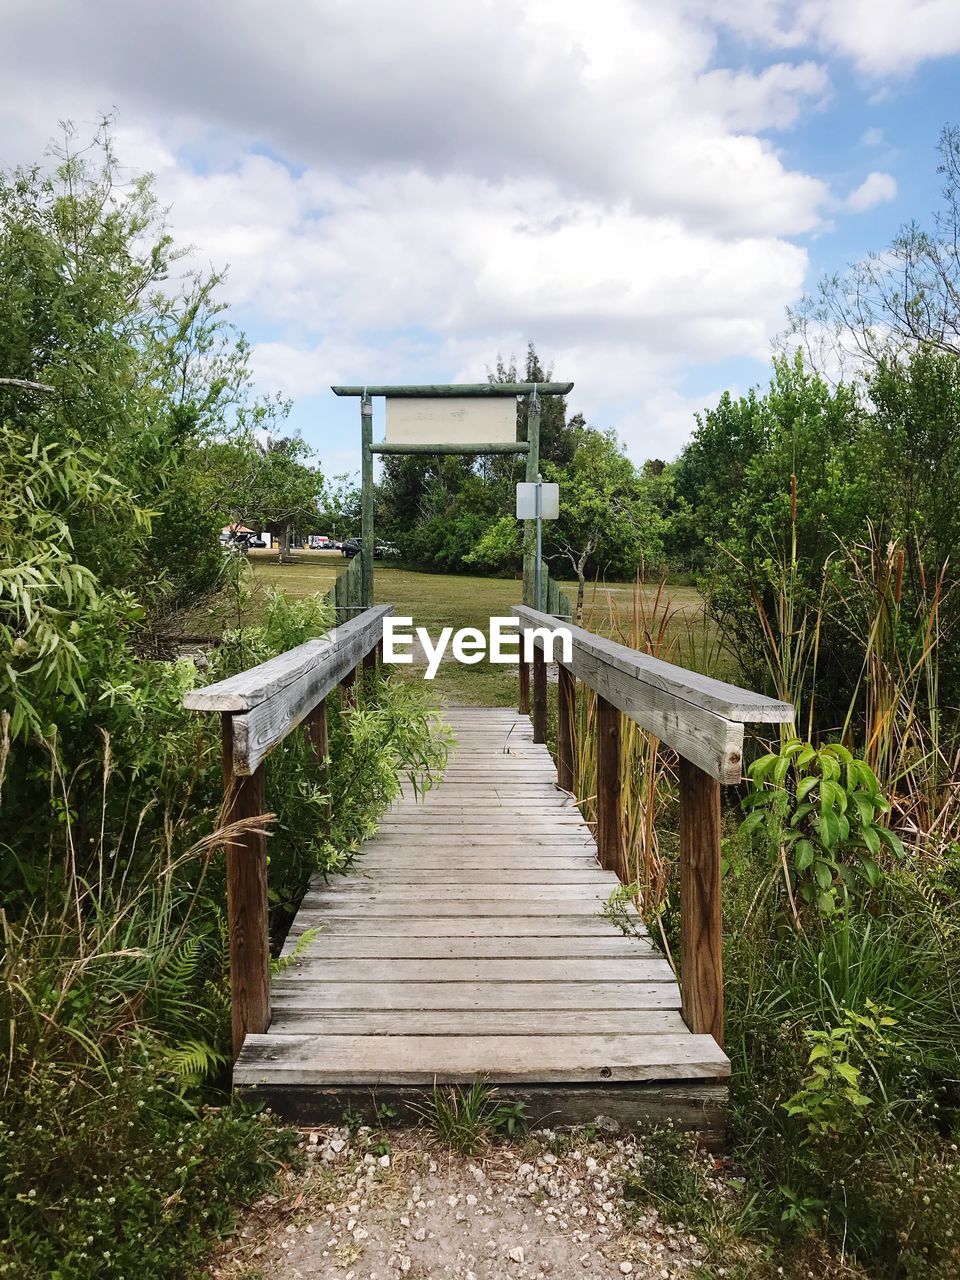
{"x": 539, "y": 697}
{"x": 566, "y": 727}
{"x": 279, "y": 694}
{"x": 701, "y": 920}
{"x": 468, "y": 939}
{"x": 248, "y": 689}
{"x": 702, "y": 719}
{"x": 698, "y": 1106}
{"x": 328, "y": 1059}
{"x": 609, "y": 840}
{"x": 524, "y": 698}
{"x": 247, "y": 914}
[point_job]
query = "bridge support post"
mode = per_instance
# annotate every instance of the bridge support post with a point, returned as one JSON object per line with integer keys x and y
{"x": 608, "y": 785}
{"x": 566, "y": 727}
{"x": 523, "y": 704}
{"x": 539, "y": 696}
{"x": 701, "y": 921}
{"x": 247, "y": 916}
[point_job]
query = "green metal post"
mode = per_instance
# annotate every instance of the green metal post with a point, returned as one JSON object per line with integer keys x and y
{"x": 366, "y": 496}
{"x": 530, "y": 526}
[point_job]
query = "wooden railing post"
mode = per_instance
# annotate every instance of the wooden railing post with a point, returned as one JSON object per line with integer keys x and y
{"x": 566, "y": 727}
{"x": 247, "y": 914}
{"x": 539, "y": 696}
{"x": 523, "y": 704}
{"x": 317, "y": 733}
{"x": 608, "y": 785}
{"x": 701, "y": 922}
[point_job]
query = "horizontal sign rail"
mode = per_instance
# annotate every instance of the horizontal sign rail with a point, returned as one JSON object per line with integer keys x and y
{"x": 452, "y": 389}
{"x": 701, "y": 718}
{"x": 494, "y": 446}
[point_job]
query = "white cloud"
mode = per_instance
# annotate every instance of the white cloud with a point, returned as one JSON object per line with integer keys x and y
{"x": 881, "y": 37}
{"x": 611, "y": 101}
{"x": 402, "y": 190}
{"x": 872, "y": 138}
{"x": 876, "y": 188}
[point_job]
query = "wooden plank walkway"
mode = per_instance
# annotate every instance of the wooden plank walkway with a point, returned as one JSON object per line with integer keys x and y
{"x": 467, "y": 942}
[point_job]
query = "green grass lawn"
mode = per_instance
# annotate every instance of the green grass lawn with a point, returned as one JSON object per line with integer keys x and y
{"x": 436, "y": 600}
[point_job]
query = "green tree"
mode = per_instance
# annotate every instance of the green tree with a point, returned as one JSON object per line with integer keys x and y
{"x": 606, "y": 523}
{"x": 281, "y": 492}
{"x": 906, "y": 296}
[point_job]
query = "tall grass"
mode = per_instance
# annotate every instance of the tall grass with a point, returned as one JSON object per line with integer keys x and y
{"x": 653, "y": 625}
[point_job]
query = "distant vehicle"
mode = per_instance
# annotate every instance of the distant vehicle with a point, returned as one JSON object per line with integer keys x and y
{"x": 256, "y": 542}
{"x": 353, "y": 546}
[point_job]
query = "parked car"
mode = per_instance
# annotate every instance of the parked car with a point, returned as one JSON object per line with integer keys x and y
{"x": 256, "y": 542}
{"x": 351, "y": 547}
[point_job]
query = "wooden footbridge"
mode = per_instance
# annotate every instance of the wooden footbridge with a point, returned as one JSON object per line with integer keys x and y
{"x": 468, "y": 939}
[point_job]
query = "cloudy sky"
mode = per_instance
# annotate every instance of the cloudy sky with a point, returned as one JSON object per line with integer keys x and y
{"x": 401, "y": 189}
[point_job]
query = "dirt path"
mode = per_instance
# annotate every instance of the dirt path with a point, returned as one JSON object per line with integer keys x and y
{"x": 387, "y": 1204}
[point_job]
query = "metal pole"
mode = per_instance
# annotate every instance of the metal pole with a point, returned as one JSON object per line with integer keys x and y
{"x": 366, "y": 502}
{"x": 532, "y": 471}
{"x": 537, "y": 571}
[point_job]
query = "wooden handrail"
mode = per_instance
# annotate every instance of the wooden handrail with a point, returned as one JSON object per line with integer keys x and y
{"x": 702, "y": 719}
{"x": 258, "y": 709}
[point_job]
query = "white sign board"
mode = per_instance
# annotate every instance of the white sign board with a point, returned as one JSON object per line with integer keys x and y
{"x": 449, "y": 420}
{"x": 527, "y": 501}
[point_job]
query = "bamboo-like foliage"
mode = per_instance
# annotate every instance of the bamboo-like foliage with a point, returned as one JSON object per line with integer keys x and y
{"x": 651, "y": 624}
{"x": 893, "y": 717}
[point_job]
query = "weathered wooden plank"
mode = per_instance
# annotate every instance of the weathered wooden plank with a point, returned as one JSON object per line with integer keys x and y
{"x": 248, "y": 689}
{"x": 479, "y": 1022}
{"x": 374, "y": 1060}
{"x": 502, "y": 925}
{"x": 692, "y": 1105}
{"x": 247, "y": 912}
{"x": 702, "y": 719}
{"x": 647, "y": 966}
{"x": 414, "y": 875}
{"x": 428, "y": 896}
{"x": 317, "y": 994}
{"x": 726, "y": 700}
{"x": 561, "y": 842}
{"x": 701, "y": 920}
{"x": 566, "y": 728}
{"x": 433, "y": 908}
{"x": 365, "y": 945}
{"x": 277, "y": 700}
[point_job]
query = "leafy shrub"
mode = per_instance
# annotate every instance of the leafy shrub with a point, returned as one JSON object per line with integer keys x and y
{"x": 820, "y": 816}
{"x": 120, "y": 1177}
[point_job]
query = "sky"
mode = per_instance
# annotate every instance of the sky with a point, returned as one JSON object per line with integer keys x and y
{"x": 401, "y": 190}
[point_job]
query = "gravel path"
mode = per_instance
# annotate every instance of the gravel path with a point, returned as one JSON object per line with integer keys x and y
{"x": 384, "y": 1205}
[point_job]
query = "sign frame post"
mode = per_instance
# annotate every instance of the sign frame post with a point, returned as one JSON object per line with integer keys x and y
{"x": 530, "y": 391}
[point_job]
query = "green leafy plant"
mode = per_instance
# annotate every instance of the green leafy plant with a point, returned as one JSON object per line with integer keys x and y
{"x": 831, "y": 1098}
{"x": 467, "y": 1119}
{"x": 819, "y": 811}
